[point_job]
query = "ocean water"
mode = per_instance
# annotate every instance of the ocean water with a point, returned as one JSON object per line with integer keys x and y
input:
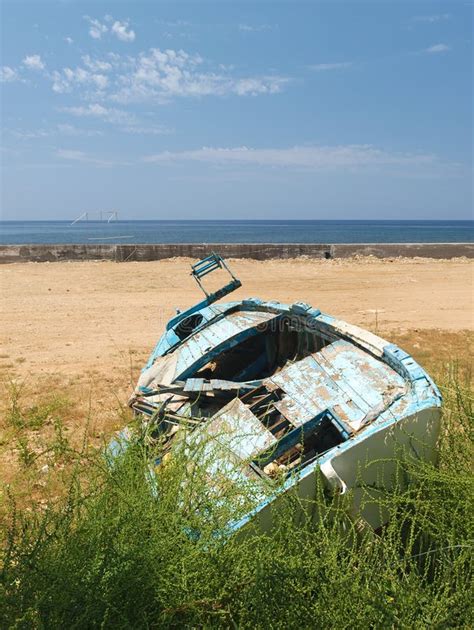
{"x": 23, "y": 232}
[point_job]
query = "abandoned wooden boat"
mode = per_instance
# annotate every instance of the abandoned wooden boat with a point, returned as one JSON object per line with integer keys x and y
{"x": 289, "y": 392}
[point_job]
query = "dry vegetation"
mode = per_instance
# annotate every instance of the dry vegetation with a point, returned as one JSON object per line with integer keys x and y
{"x": 88, "y": 545}
{"x": 61, "y": 403}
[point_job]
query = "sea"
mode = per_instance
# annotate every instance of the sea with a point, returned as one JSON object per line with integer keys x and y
{"x": 271, "y": 231}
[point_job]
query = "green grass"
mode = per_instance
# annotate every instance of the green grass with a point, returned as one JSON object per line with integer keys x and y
{"x": 109, "y": 552}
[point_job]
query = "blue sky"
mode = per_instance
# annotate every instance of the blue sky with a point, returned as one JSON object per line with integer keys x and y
{"x": 237, "y": 110}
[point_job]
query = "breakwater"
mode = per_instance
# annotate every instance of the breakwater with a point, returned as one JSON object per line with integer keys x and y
{"x": 256, "y": 251}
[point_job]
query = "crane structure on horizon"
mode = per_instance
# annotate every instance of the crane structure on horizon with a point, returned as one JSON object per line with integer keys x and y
{"x": 103, "y": 215}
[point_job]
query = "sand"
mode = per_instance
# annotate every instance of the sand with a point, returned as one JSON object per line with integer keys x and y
{"x": 91, "y": 317}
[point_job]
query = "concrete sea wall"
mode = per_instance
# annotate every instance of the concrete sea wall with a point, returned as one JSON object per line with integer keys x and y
{"x": 256, "y": 251}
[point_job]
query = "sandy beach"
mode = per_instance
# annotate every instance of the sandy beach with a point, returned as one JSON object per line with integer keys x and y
{"x": 77, "y": 318}
{"x": 76, "y": 334}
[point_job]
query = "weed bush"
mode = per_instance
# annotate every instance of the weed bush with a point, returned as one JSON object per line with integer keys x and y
{"x": 117, "y": 551}
{"x": 33, "y": 416}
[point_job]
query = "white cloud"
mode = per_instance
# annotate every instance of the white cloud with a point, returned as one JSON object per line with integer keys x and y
{"x": 96, "y": 65}
{"x": 431, "y": 19}
{"x": 69, "y": 40}
{"x": 313, "y": 158}
{"x": 65, "y": 80}
{"x": 96, "y": 28}
{"x": 252, "y": 87}
{"x": 33, "y": 62}
{"x": 70, "y": 130}
{"x": 60, "y": 129}
{"x": 322, "y": 67}
{"x": 174, "y": 23}
{"x": 437, "y": 48}
{"x": 255, "y": 28}
{"x": 80, "y": 156}
{"x": 160, "y": 75}
{"x": 153, "y": 76}
{"x": 154, "y": 130}
{"x": 8, "y": 75}
{"x": 322, "y": 159}
{"x": 120, "y": 30}
{"x": 128, "y": 123}
{"x": 107, "y": 114}
{"x": 29, "y": 135}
